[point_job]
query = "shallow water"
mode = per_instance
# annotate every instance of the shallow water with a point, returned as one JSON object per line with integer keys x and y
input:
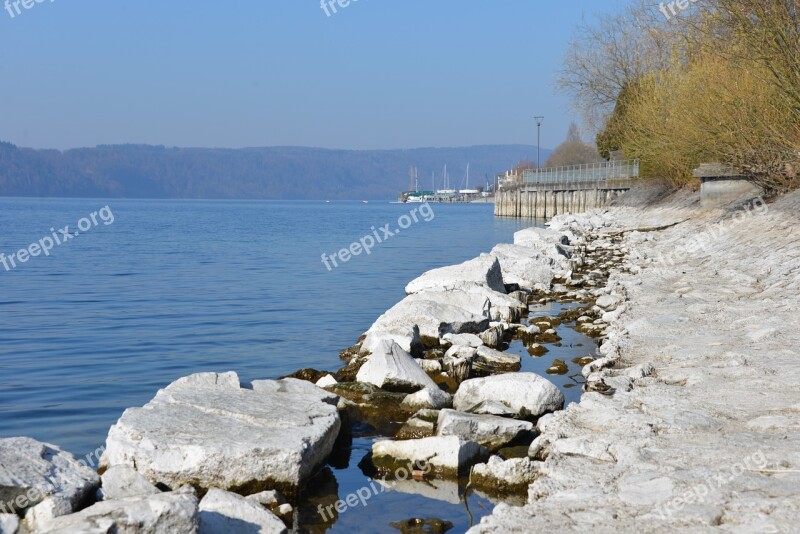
{"x": 172, "y": 288}
{"x": 573, "y": 345}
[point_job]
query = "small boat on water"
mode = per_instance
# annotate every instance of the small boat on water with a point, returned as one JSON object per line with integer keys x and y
{"x": 365, "y": 201}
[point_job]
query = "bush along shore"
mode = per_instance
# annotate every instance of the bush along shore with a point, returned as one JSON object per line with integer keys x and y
{"x": 430, "y": 376}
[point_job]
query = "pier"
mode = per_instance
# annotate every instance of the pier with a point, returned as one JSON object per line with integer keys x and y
{"x": 546, "y": 193}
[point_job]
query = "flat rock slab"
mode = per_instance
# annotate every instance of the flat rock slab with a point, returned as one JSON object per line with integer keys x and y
{"x": 222, "y": 512}
{"x": 393, "y": 369}
{"x": 483, "y": 271}
{"x": 122, "y": 482}
{"x": 165, "y": 513}
{"x": 207, "y": 431}
{"x": 35, "y": 474}
{"x": 447, "y": 456}
{"x": 490, "y": 361}
{"x": 527, "y": 395}
{"x": 490, "y": 431}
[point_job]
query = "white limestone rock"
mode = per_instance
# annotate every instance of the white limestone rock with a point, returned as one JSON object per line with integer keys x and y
{"x": 528, "y": 267}
{"x": 447, "y": 456}
{"x": 491, "y": 361}
{"x": 429, "y": 314}
{"x": 9, "y": 524}
{"x": 483, "y": 271}
{"x": 41, "y": 480}
{"x": 549, "y": 242}
{"x": 122, "y": 482}
{"x": 393, "y": 369}
{"x": 207, "y": 431}
{"x": 490, "y": 431}
{"x": 505, "y": 476}
{"x": 526, "y": 394}
{"x": 608, "y": 303}
{"x": 326, "y": 381}
{"x": 430, "y": 366}
{"x": 222, "y": 512}
{"x": 165, "y": 513}
{"x": 428, "y": 398}
{"x": 464, "y": 340}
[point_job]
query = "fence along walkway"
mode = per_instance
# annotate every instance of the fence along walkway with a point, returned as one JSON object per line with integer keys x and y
{"x": 592, "y": 172}
{"x": 553, "y": 191}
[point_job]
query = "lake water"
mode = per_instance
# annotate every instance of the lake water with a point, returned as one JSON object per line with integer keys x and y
{"x": 172, "y": 288}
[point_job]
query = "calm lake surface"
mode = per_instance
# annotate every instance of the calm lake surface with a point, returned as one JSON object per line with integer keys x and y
{"x": 172, "y": 288}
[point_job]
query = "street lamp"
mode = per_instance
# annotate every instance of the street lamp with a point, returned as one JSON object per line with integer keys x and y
{"x": 539, "y": 120}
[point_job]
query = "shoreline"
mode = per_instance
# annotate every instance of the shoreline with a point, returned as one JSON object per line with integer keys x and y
{"x": 441, "y": 348}
{"x": 702, "y": 430}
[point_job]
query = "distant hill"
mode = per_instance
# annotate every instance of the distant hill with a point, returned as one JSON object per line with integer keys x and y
{"x": 142, "y": 171}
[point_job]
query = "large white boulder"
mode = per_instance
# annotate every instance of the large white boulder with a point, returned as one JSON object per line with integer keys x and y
{"x": 207, "y": 431}
{"x": 223, "y": 512}
{"x": 483, "y": 271}
{"x": 526, "y": 394}
{"x": 393, "y": 369}
{"x": 430, "y": 315}
{"x": 528, "y": 267}
{"x": 41, "y": 480}
{"x": 428, "y": 398}
{"x": 442, "y": 455}
{"x": 490, "y": 431}
{"x": 550, "y": 244}
{"x": 165, "y": 513}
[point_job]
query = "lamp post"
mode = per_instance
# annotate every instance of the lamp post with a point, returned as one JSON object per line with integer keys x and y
{"x": 539, "y": 120}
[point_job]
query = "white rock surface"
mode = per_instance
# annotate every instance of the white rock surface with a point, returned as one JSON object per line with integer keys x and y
{"x": 326, "y": 381}
{"x": 393, "y": 369}
{"x": 709, "y": 441}
{"x": 429, "y": 398}
{"x": 528, "y": 267}
{"x": 490, "y": 431}
{"x": 550, "y": 243}
{"x": 483, "y": 271}
{"x": 9, "y": 524}
{"x": 430, "y": 314}
{"x": 527, "y": 394}
{"x": 493, "y": 361}
{"x": 207, "y": 431}
{"x": 505, "y": 475}
{"x": 42, "y": 479}
{"x": 448, "y": 455}
{"x": 222, "y": 512}
{"x": 122, "y": 482}
{"x": 165, "y": 513}
{"x": 465, "y": 340}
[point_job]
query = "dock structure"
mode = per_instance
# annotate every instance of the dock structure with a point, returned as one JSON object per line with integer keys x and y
{"x": 546, "y": 193}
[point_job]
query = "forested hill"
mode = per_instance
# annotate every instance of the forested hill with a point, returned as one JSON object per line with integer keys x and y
{"x": 140, "y": 171}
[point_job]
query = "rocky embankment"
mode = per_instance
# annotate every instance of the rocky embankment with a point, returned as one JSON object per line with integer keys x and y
{"x": 690, "y": 415}
{"x": 209, "y": 455}
{"x": 702, "y": 432}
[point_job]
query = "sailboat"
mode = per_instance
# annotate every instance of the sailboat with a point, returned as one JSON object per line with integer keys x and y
{"x": 446, "y": 192}
{"x": 467, "y": 191}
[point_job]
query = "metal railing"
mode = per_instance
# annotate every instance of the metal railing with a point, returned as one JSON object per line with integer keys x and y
{"x": 592, "y": 172}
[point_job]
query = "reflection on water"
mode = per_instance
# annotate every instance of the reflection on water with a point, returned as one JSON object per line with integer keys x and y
{"x": 388, "y": 506}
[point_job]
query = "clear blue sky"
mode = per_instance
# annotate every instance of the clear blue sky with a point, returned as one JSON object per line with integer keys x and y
{"x": 379, "y": 74}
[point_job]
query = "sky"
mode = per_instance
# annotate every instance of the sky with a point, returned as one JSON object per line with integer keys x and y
{"x": 378, "y": 74}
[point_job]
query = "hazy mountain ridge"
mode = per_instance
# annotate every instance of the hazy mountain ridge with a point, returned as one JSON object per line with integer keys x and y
{"x": 144, "y": 171}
